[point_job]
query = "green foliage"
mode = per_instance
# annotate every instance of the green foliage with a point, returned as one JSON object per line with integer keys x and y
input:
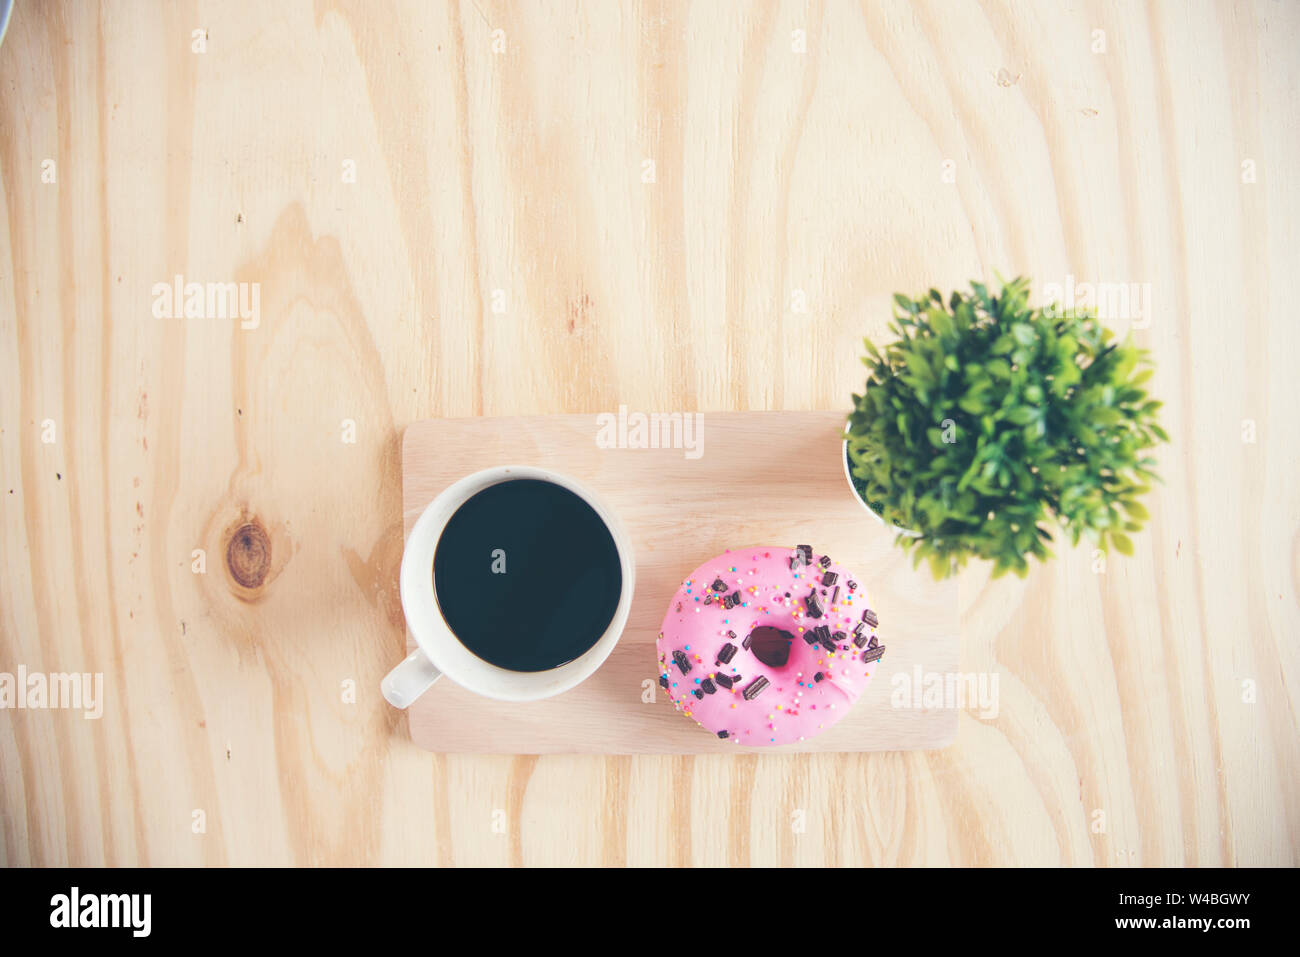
{"x": 985, "y": 419}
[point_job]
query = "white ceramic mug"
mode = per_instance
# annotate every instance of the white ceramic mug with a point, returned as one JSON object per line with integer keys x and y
{"x": 439, "y": 652}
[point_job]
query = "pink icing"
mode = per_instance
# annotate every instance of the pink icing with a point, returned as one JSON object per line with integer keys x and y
{"x": 794, "y": 705}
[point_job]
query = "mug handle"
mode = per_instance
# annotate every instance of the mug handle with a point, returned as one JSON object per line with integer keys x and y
{"x": 412, "y": 678}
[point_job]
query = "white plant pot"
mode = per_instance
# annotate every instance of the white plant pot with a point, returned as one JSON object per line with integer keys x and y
{"x": 848, "y": 477}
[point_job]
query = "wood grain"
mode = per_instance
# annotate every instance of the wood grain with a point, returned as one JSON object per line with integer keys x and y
{"x": 736, "y": 478}
{"x": 504, "y": 251}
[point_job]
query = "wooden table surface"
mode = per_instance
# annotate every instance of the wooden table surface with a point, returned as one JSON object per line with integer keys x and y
{"x": 498, "y": 209}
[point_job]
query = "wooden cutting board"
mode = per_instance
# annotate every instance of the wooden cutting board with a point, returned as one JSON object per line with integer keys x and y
{"x": 759, "y": 478}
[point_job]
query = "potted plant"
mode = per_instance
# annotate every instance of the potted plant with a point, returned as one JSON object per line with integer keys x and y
{"x": 986, "y": 420}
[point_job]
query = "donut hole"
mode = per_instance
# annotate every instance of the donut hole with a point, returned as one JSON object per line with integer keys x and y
{"x": 770, "y": 645}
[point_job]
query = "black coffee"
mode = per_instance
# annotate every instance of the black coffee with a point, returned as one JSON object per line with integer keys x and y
{"x": 526, "y": 575}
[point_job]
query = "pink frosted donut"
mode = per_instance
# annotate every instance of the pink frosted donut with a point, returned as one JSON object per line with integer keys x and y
{"x": 768, "y": 645}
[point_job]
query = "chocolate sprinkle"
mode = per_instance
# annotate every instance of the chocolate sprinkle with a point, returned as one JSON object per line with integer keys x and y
{"x": 814, "y": 605}
{"x": 663, "y": 681}
{"x": 723, "y": 680}
{"x": 770, "y": 645}
{"x": 707, "y": 686}
{"x": 732, "y": 600}
{"x": 853, "y": 586}
{"x": 825, "y": 562}
{"x": 719, "y": 585}
{"x": 835, "y": 595}
{"x": 840, "y": 637}
{"x": 819, "y": 676}
{"x": 829, "y": 579}
{"x": 859, "y": 637}
{"x": 745, "y": 644}
{"x": 870, "y": 618}
{"x": 726, "y": 653}
{"x": 819, "y": 635}
{"x": 722, "y": 734}
{"x": 681, "y": 661}
{"x": 755, "y": 688}
{"x": 873, "y": 652}
{"x": 731, "y": 634}
{"x": 699, "y": 693}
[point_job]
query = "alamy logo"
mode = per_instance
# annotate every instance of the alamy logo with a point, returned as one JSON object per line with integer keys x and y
{"x": 39, "y": 691}
{"x": 952, "y": 690}
{"x": 179, "y": 299}
{"x": 1109, "y": 301}
{"x": 102, "y": 910}
{"x": 655, "y": 430}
